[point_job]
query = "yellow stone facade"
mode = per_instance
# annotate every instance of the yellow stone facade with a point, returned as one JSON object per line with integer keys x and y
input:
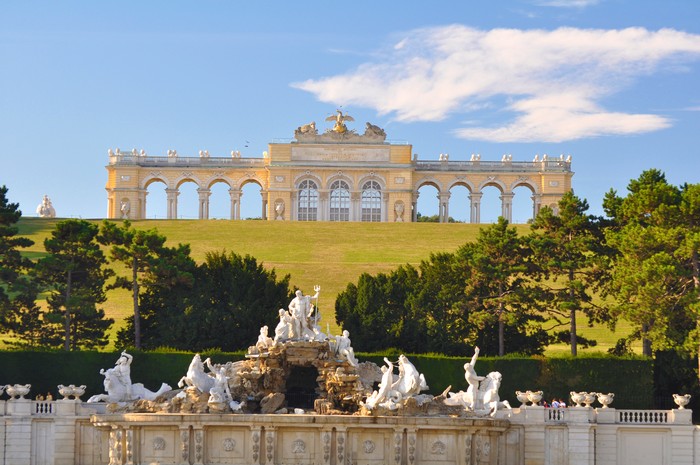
{"x": 331, "y": 177}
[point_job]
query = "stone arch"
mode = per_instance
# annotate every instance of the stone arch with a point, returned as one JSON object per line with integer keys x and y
{"x": 339, "y": 177}
{"x": 527, "y": 183}
{"x": 180, "y": 180}
{"x": 150, "y": 179}
{"x": 248, "y": 180}
{"x": 461, "y": 182}
{"x": 307, "y": 175}
{"x": 495, "y": 182}
{"x": 428, "y": 181}
{"x": 216, "y": 179}
{"x": 372, "y": 177}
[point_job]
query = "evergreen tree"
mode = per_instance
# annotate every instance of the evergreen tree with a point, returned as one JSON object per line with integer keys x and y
{"x": 498, "y": 290}
{"x": 75, "y": 277}
{"x": 19, "y": 314}
{"x": 565, "y": 249}
{"x": 653, "y": 233}
{"x": 138, "y": 250}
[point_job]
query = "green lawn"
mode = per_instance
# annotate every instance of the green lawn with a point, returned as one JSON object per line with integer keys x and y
{"x": 328, "y": 254}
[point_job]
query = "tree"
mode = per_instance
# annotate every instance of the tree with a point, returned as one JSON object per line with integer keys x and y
{"x": 75, "y": 277}
{"x": 19, "y": 313}
{"x": 654, "y": 234}
{"x": 497, "y": 289}
{"x": 564, "y": 247}
{"x": 138, "y": 250}
{"x": 164, "y": 296}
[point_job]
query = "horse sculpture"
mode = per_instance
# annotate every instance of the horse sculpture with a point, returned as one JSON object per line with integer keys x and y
{"x": 488, "y": 393}
{"x": 196, "y": 377}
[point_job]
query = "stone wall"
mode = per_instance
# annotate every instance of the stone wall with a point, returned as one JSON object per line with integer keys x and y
{"x": 68, "y": 432}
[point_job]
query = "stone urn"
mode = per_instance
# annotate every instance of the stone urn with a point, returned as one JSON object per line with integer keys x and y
{"x": 681, "y": 400}
{"x": 522, "y": 397}
{"x": 534, "y": 397}
{"x": 578, "y": 398}
{"x": 71, "y": 391}
{"x": 17, "y": 390}
{"x": 589, "y": 398}
{"x": 605, "y": 399}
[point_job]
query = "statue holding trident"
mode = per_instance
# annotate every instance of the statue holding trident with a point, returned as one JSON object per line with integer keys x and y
{"x": 301, "y": 309}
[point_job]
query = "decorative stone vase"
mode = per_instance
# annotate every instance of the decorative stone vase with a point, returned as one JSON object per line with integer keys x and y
{"x": 681, "y": 400}
{"x": 534, "y": 397}
{"x": 578, "y": 398}
{"x": 71, "y": 391}
{"x": 17, "y": 390}
{"x": 522, "y": 397}
{"x": 605, "y": 399}
{"x": 589, "y": 398}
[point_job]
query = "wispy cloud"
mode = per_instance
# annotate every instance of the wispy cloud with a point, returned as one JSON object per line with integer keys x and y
{"x": 567, "y": 3}
{"x": 553, "y": 81}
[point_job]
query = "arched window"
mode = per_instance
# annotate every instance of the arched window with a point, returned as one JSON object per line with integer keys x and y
{"x": 371, "y": 201}
{"x": 340, "y": 201}
{"x": 308, "y": 201}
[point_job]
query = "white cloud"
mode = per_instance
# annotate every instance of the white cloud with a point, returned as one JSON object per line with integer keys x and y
{"x": 554, "y": 80}
{"x": 567, "y": 3}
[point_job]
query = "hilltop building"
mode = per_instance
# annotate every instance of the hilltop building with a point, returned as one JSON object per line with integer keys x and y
{"x": 337, "y": 175}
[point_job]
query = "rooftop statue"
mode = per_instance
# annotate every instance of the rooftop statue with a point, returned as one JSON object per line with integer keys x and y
{"x": 45, "y": 209}
{"x": 340, "y": 120}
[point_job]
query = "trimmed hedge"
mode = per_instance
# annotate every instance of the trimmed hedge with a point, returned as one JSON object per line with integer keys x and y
{"x": 630, "y": 378}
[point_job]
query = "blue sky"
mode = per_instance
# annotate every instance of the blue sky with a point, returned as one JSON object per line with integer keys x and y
{"x": 614, "y": 83}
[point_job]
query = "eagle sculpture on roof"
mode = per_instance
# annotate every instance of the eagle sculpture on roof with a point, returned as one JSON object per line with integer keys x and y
{"x": 340, "y": 120}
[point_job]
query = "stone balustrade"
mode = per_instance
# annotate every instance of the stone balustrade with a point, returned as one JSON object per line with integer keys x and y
{"x": 68, "y": 432}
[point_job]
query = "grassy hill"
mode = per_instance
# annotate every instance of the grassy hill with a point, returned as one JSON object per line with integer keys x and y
{"x": 324, "y": 253}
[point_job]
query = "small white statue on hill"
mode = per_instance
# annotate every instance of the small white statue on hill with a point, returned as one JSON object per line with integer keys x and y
{"x": 45, "y": 208}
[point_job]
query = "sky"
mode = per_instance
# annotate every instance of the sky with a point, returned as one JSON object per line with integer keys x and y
{"x": 613, "y": 83}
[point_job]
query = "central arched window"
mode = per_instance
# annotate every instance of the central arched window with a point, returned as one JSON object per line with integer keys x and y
{"x": 308, "y": 201}
{"x": 340, "y": 201}
{"x": 371, "y": 201}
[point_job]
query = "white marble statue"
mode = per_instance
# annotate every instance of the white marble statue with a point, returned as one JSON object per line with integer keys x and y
{"x": 472, "y": 380}
{"x": 264, "y": 341}
{"x": 279, "y": 210}
{"x": 125, "y": 208}
{"x": 343, "y": 348}
{"x": 283, "y": 330}
{"x": 45, "y": 209}
{"x": 301, "y": 309}
{"x": 410, "y": 381}
{"x": 196, "y": 376}
{"x": 118, "y": 384}
{"x": 220, "y": 391}
{"x": 383, "y": 396}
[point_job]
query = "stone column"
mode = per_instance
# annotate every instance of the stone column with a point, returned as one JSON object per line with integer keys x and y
{"x": 172, "y": 203}
{"x": 323, "y": 207}
{"x": 581, "y": 436}
{"x": 384, "y": 215}
{"x": 326, "y": 444}
{"x": 263, "y": 198}
{"x": 143, "y": 193}
{"x": 412, "y": 443}
{"x": 475, "y": 207}
{"x": 203, "y": 203}
{"x": 356, "y": 206}
{"x": 444, "y": 207}
{"x": 129, "y": 442}
{"x": 293, "y": 206}
{"x": 235, "y": 195}
{"x": 536, "y": 204}
{"x": 18, "y": 432}
{"x": 198, "y": 446}
{"x": 414, "y": 207}
{"x": 255, "y": 437}
{"x": 397, "y": 446}
{"x": 184, "y": 445}
{"x": 115, "y": 446}
{"x": 270, "y": 436}
{"x": 507, "y": 206}
{"x": 341, "y": 442}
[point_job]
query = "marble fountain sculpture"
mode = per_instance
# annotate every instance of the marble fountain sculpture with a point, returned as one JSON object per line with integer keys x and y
{"x": 343, "y": 385}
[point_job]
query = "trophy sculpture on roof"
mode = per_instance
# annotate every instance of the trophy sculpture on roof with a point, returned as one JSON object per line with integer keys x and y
{"x": 340, "y": 120}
